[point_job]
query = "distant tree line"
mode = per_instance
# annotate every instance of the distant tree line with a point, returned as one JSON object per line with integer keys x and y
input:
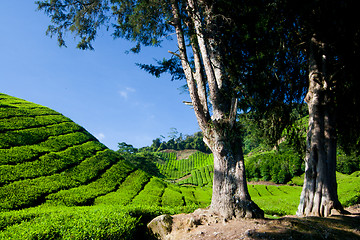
{"x": 177, "y": 141}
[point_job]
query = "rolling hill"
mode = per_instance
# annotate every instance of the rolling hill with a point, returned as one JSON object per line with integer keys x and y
{"x": 42, "y": 152}
{"x": 49, "y": 165}
{"x": 47, "y": 158}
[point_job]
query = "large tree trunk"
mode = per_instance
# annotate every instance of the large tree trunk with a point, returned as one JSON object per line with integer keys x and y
{"x": 230, "y": 196}
{"x": 319, "y": 195}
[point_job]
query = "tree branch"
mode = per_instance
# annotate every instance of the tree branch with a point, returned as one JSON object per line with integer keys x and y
{"x": 209, "y": 70}
{"x": 193, "y": 90}
{"x": 200, "y": 80}
{"x": 175, "y": 54}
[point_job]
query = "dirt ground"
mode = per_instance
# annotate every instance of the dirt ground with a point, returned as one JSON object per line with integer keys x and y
{"x": 201, "y": 225}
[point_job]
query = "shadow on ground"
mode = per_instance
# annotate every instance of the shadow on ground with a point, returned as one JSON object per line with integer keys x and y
{"x": 336, "y": 227}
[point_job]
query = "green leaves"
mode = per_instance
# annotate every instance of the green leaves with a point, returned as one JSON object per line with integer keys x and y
{"x": 82, "y": 18}
{"x": 128, "y": 189}
{"x": 85, "y": 194}
{"x": 42, "y": 152}
{"x": 175, "y": 169}
{"x": 72, "y": 223}
{"x": 278, "y": 167}
{"x": 143, "y": 21}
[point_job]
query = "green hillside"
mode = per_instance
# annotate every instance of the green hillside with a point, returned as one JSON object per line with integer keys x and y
{"x": 43, "y": 152}
{"x": 50, "y": 166}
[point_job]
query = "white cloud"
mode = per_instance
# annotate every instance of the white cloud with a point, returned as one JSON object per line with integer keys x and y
{"x": 100, "y": 136}
{"x": 125, "y": 92}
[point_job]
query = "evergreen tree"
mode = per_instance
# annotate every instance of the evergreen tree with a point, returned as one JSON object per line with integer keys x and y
{"x": 329, "y": 31}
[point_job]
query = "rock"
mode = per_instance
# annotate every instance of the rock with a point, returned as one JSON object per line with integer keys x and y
{"x": 249, "y": 232}
{"x": 161, "y": 226}
{"x": 191, "y": 222}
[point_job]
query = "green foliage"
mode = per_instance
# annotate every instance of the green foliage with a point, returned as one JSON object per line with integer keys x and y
{"x": 172, "y": 197}
{"x": 70, "y": 168}
{"x": 267, "y": 131}
{"x": 295, "y": 135}
{"x": 178, "y": 143}
{"x": 347, "y": 163}
{"x": 42, "y": 152}
{"x": 30, "y": 192}
{"x": 152, "y": 193}
{"x": 276, "y": 200}
{"x": 200, "y": 177}
{"x": 126, "y": 148}
{"x": 85, "y": 194}
{"x": 15, "y": 107}
{"x": 348, "y": 188}
{"x": 48, "y": 164}
{"x": 170, "y": 156}
{"x": 203, "y": 195}
{"x": 16, "y": 155}
{"x": 175, "y": 169}
{"x": 71, "y": 223}
{"x": 34, "y": 136}
{"x": 278, "y": 167}
{"x": 146, "y": 162}
{"x": 297, "y": 180}
{"x": 128, "y": 189}
{"x": 23, "y": 122}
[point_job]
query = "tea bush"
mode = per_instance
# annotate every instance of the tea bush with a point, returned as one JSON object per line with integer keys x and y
{"x": 32, "y": 136}
{"x": 172, "y": 197}
{"x": 175, "y": 169}
{"x": 276, "y": 200}
{"x": 75, "y": 223}
{"x": 278, "y": 167}
{"x": 152, "y": 193}
{"x": 50, "y": 163}
{"x": 348, "y": 188}
{"x": 130, "y": 188}
{"x": 24, "y": 122}
{"x": 20, "y": 154}
{"x": 30, "y": 192}
{"x": 200, "y": 177}
{"x": 85, "y": 194}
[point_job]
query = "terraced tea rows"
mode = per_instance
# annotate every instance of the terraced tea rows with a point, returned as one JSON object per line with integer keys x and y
{"x": 175, "y": 169}
{"x": 42, "y": 152}
{"x": 276, "y": 200}
{"x": 200, "y": 177}
{"x": 45, "y": 158}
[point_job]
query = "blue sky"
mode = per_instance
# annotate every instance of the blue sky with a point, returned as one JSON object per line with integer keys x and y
{"x": 102, "y": 90}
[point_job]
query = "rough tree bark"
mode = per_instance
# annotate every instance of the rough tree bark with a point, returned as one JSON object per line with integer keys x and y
{"x": 230, "y": 194}
{"x": 319, "y": 195}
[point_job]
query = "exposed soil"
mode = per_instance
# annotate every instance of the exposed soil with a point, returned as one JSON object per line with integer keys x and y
{"x": 183, "y": 178}
{"x": 181, "y": 154}
{"x": 263, "y": 183}
{"x": 202, "y": 225}
{"x": 185, "y": 154}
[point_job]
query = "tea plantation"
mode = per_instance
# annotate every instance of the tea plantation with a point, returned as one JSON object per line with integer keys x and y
{"x": 59, "y": 182}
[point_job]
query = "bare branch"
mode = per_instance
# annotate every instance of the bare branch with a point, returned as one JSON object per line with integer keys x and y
{"x": 209, "y": 70}
{"x": 198, "y": 107}
{"x": 175, "y": 54}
